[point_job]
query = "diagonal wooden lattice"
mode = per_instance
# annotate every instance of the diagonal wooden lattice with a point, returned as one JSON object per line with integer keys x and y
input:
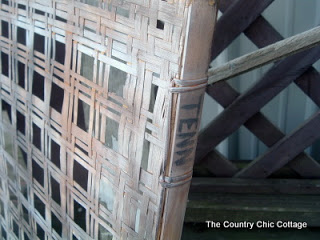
{"x": 240, "y": 111}
{"x": 92, "y": 92}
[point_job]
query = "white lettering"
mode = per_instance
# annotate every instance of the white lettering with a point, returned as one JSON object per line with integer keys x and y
{"x": 291, "y": 224}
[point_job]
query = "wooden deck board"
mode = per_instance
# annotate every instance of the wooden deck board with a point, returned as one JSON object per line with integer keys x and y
{"x": 255, "y": 186}
{"x": 218, "y": 199}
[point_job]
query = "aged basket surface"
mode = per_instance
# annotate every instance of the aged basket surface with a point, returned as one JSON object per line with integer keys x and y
{"x": 100, "y": 105}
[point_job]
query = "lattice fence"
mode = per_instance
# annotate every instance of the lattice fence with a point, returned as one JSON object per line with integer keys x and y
{"x": 84, "y": 123}
{"x": 244, "y": 109}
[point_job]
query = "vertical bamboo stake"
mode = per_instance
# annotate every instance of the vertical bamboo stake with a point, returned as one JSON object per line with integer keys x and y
{"x": 187, "y": 101}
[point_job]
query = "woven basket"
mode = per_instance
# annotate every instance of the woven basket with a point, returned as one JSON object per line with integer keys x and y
{"x": 100, "y": 105}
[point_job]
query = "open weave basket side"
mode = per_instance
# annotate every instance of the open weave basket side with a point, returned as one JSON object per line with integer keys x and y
{"x": 85, "y": 100}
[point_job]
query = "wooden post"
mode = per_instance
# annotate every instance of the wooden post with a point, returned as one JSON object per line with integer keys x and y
{"x": 187, "y": 101}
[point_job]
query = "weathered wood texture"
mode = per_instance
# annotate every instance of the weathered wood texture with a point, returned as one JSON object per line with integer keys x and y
{"x": 186, "y": 112}
{"x": 286, "y": 172}
{"x": 275, "y": 80}
{"x": 255, "y": 199}
{"x": 309, "y": 83}
{"x": 87, "y": 96}
{"x": 220, "y": 166}
{"x": 284, "y": 151}
{"x": 221, "y": 207}
{"x": 255, "y": 186}
{"x": 225, "y": 199}
{"x": 261, "y": 33}
{"x": 261, "y": 127}
{"x": 238, "y": 17}
{"x": 271, "y": 53}
{"x": 259, "y": 124}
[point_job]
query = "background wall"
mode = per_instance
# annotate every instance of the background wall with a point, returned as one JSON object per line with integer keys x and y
{"x": 291, "y": 107}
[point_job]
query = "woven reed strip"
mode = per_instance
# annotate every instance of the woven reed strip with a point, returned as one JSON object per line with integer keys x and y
{"x": 141, "y": 40}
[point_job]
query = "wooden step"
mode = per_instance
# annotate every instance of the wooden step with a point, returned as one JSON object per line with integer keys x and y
{"x": 253, "y": 200}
